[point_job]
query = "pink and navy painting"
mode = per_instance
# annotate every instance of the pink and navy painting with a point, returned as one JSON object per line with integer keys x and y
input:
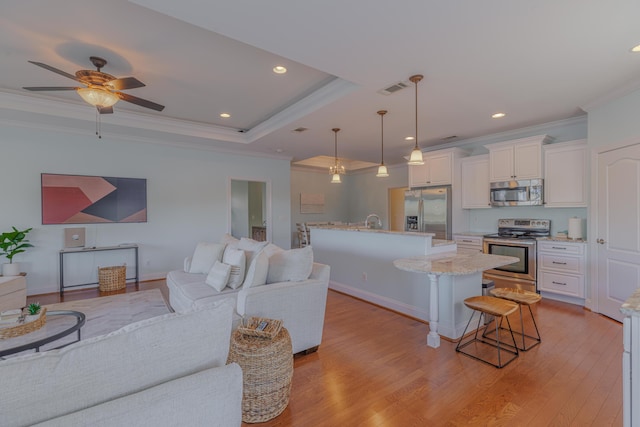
{"x": 80, "y": 199}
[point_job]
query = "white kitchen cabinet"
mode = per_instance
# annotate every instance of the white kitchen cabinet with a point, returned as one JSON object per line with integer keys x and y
{"x": 468, "y": 242}
{"x": 475, "y": 182}
{"x": 631, "y": 361}
{"x": 562, "y": 267}
{"x": 565, "y": 174}
{"x": 437, "y": 169}
{"x": 516, "y": 160}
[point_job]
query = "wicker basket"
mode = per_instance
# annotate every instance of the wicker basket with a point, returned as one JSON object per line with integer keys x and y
{"x": 270, "y": 331}
{"x": 267, "y": 370}
{"x": 112, "y": 278}
{"x": 24, "y": 328}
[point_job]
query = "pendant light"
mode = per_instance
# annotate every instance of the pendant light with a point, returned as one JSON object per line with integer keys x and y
{"x": 337, "y": 169}
{"x": 416, "y": 154}
{"x": 382, "y": 169}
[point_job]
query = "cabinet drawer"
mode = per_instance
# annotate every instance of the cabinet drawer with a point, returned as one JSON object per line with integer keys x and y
{"x": 561, "y": 283}
{"x": 560, "y": 247}
{"x": 561, "y": 263}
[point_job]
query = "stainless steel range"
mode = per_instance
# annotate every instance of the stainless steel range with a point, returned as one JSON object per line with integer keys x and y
{"x": 516, "y": 237}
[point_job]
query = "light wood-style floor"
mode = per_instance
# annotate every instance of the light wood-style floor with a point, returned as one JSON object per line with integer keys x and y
{"x": 375, "y": 369}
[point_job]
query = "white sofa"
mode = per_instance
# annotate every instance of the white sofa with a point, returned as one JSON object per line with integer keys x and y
{"x": 299, "y": 304}
{"x": 165, "y": 371}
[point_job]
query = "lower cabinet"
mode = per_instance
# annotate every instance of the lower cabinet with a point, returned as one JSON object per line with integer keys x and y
{"x": 561, "y": 267}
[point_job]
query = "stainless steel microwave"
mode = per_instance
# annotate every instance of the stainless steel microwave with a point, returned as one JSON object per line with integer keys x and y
{"x": 527, "y": 192}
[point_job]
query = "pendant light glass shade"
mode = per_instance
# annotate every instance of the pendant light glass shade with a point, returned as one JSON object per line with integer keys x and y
{"x": 98, "y": 97}
{"x": 338, "y": 168}
{"x": 382, "y": 169}
{"x": 416, "y": 154}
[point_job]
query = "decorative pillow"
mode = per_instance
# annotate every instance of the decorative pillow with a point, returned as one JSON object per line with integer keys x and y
{"x": 251, "y": 248}
{"x": 293, "y": 265}
{"x": 271, "y": 249}
{"x": 205, "y": 255}
{"x": 236, "y": 259}
{"x": 257, "y": 272}
{"x": 218, "y": 276}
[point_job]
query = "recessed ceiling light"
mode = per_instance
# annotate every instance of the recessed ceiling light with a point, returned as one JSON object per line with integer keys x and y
{"x": 635, "y": 48}
{"x": 279, "y": 69}
{"x": 409, "y": 138}
{"x": 225, "y": 115}
{"x": 498, "y": 115}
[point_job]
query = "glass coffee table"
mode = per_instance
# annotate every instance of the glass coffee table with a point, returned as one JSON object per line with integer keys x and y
{"x": 60, "y": 324}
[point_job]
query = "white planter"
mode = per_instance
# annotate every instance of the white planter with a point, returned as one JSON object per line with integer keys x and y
{"x": 11, "y": 269}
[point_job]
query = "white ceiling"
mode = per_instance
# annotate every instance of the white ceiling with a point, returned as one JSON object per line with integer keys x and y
{"x": 537, "y": 61}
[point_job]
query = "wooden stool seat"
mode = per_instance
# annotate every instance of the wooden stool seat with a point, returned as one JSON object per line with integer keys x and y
{"x": 521, "y": 297}
{"x": 517, "y": 295}
{"x": 499, "y": 308}
{"x": 491, "y": 305}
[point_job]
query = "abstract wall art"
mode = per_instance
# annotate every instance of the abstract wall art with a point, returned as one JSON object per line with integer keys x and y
{"x": 81, "y": 199}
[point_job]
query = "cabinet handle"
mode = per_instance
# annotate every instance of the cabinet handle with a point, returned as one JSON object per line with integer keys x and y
{"x": 467, "y": 241}
{"x": 558, "y": 283}
{"x": 557, "y": 247}
{"x": 600, "y": 241}
{"x": 559, "y": 263}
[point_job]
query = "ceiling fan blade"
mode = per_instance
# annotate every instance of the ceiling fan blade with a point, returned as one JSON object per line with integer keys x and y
{"x": 55, "y": 70}
{"x": 124, "y": 83}
{"x": 139, "y": 101}
{"x": 105, "y": 110}
{"x": 36, "y": 88}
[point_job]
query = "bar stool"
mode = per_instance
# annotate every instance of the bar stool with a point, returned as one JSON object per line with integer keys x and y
{"x": 500, "y": 308}
{"x": 521, "y": 297}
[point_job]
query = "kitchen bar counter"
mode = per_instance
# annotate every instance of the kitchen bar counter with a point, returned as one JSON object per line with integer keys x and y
{"x": 453, "y": 264}
{"x": 362, "y": 265}
{"x": 448, "y": 297}
{"x": 631, "y": 306}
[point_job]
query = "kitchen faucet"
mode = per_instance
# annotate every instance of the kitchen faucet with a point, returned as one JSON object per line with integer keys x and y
{"x": 378, "y": 223}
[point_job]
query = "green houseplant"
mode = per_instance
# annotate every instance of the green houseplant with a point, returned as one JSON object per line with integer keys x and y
{"x": 12, "y": 243}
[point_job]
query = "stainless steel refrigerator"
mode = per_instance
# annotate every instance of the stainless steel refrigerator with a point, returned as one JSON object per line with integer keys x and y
{"x": 428, "y": 210}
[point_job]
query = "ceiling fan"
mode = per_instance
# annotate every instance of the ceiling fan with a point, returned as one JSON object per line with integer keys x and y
{"x": 102, "y": 90}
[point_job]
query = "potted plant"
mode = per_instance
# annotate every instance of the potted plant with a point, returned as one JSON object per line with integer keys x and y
{"x": 13, "y": 243}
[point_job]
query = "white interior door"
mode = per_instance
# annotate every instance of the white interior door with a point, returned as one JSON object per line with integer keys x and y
{"x": 618, "y": 228}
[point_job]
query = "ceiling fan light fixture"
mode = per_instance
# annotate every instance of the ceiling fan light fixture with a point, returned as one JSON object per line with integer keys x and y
{"x": 98, "y": 97}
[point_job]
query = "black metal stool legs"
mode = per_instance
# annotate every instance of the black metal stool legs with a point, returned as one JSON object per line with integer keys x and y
{"x": 501, "y": 347}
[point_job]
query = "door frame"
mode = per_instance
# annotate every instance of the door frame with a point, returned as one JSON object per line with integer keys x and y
{"x": 591, "y": 300}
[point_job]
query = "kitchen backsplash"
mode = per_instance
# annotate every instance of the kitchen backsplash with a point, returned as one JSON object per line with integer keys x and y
{"x": 487, "y": 219}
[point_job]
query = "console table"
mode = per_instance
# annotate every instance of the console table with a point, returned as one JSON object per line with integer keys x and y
{"x": 65, "y": 252}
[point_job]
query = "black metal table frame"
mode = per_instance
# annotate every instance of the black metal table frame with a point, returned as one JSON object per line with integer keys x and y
{"x": 80, "y": 320}
{"x": 64, "y": 252}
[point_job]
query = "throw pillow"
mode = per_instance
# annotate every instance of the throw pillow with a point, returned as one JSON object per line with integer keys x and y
{"x": 218, "y": 276}
{"x": 205, "y": 255}
{"x": 236, "y": 259}
{"x": 293, "y": 265}
{"x": 257, "y": 272}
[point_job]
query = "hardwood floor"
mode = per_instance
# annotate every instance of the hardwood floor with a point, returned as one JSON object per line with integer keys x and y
{"x": 375, "y": 369}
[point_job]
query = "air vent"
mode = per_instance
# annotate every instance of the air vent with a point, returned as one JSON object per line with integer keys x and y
{"x": 300, "y": 129}
{"x": 393, "y": 88}
{"x": 449, "y": 138}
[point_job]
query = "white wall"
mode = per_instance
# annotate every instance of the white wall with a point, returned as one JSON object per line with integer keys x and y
{"x": 187, "y": 194}
{"x": 615, "y": 121}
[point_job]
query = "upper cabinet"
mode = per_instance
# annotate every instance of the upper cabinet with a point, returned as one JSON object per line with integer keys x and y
{"x": 517, "y": 159}
{"x": 565, "y": 176}
{"x": 437, "y": 169}
{"x": 475, "y": 182}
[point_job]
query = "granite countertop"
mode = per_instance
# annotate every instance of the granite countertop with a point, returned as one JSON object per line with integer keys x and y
{"x": 453, "y": 263}
{"x": 371, "y": 230}
{"x": 561, "y": 239}
{"x": 631, "y": 306}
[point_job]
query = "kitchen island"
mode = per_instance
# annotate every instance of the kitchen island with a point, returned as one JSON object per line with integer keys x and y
{"x": 362, "y": 265}
{"x": 449, "y": 264}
